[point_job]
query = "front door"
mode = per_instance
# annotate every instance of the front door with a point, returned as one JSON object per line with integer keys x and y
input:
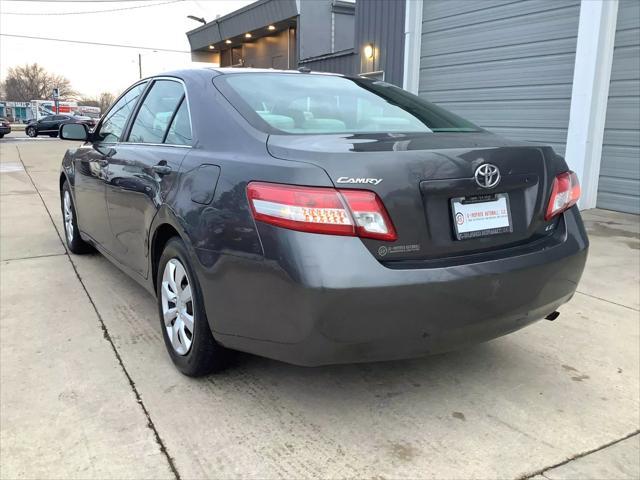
{"x": 91, "y": 169}
{"x": 144, "y": 170}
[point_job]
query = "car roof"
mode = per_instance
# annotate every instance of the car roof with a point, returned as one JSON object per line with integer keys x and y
{"x": 197, "y": 71}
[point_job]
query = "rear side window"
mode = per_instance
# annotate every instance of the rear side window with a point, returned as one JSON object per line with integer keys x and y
{"x": 115, "y": 121}
{"x": 315, "y": 104}
{"x": 180, "y": 129}
{"x": 156, "y": 111}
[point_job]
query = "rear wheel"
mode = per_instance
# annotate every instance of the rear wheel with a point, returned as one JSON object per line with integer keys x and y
{"x": 185, "y": 328}
{"x": 32, "y": 132}
{"x": 75, "y": 244}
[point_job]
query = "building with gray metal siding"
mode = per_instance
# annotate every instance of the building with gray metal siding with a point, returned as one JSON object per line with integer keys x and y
{"x": 280, "y": 34}
{"x": 560, "y": 72}
{"x": 505, "y": 66}
{"x": 380, "y": 25}
{"x": 619, "y": 184}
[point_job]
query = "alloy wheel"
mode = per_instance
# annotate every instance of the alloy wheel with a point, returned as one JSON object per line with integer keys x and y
{"x": 68, "y": 216}
{"x": 31, "y": 132}
{"x": 177, "y": 306}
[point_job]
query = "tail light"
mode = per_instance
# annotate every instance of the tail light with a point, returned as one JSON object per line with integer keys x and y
{"x": 565, "y": 193}
{"x": 321, "y": 210}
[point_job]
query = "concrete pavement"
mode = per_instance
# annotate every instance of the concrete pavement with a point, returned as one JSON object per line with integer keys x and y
{"x": 89, "y": 392}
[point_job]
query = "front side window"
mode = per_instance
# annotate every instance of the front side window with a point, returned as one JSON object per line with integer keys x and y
{"x": 315, "y": 104}
{"x": 155, "y": 113}
{"x": 114, "y": 122}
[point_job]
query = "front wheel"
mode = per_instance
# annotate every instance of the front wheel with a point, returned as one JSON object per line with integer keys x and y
{"x": 75, "y": 244}
{"x": 185, "y": 328}
{"x": 32, "y": 132}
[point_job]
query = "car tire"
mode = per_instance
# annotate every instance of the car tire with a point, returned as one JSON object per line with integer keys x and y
{"x": 32, "y": 132}
{"x": 53, "y": 135}
{"x": 1, "y": 135}
{"x": 183, "y": 320}
{"x": 75, "y": 244}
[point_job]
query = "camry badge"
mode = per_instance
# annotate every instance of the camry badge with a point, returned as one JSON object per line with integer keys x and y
{"x": 487, "y": 175}
{"x": 371, "y": 181}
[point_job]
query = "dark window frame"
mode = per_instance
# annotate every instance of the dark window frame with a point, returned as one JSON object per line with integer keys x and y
{"x": 127, "y": 122}
{"x": 143, "y": 97}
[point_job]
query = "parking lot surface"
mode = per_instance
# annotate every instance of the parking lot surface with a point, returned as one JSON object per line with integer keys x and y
{"x": 87, "y": 390}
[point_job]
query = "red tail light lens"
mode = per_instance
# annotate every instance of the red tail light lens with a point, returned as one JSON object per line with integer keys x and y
{"x": 321, "y": 210}
{"x": 565, "y": 193}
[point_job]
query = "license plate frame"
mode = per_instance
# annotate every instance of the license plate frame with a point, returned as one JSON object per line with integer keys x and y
{"x": 487, "y": 224}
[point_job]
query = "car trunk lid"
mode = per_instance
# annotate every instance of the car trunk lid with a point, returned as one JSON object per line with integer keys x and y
{"x": 418, "y": 175}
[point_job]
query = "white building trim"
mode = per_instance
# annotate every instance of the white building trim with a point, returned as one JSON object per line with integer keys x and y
{"x": 592, "y": 72}
{"x": 412, "y": 45}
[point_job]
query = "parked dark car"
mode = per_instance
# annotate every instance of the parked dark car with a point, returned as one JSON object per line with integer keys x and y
{"x": 50, "y": 125}
{"x": 5, "y": 127}
{"x": 319, "y": 219}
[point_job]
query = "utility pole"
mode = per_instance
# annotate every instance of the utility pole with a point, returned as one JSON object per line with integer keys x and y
{"x": 140, "y": 64}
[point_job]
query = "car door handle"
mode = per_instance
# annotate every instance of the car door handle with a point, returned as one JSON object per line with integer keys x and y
{"x": 161, "y": 169}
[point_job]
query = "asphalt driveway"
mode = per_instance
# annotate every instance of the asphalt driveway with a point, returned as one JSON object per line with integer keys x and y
{"x": 87, "y": 390}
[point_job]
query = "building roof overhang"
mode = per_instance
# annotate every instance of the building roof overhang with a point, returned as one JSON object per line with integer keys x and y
{"x": 233, "y": 26}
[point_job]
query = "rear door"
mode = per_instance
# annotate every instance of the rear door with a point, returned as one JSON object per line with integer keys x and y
{"x": 145, "y": 168}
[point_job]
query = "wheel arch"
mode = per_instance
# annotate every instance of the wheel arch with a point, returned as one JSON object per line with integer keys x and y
{"x": 164, "y": 227}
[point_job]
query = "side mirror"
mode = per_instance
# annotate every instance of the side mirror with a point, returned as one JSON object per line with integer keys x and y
{"x": 74, "y": 131}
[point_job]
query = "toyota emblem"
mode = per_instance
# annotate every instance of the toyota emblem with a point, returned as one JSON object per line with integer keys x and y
{"x": 487, "y": 175}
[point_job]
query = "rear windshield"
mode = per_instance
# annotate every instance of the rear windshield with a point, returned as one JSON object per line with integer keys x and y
{"x": 293, "y": 103}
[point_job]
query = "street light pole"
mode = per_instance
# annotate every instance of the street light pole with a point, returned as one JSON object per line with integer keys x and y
{"x": 140, "y": 65}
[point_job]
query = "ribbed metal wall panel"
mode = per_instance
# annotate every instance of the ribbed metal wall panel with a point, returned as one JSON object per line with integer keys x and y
{"x": 339, "y": 62}
{"x": 505, "y": 65}
{"x": 381, "y": 23}
{"x": 619, "y": 184}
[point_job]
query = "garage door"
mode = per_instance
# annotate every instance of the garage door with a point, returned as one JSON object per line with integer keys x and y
{"x": 507, "y": 66}
{"x": 619, "y": 186}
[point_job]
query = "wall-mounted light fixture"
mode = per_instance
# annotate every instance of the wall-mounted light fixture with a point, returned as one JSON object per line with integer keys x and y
{"x": 368, "y": 51}
{"x": 228, "y": 42}
{"x": 247, "y": 35}
{"x": 271, "y": 27}
{"x": 211, "y": 47}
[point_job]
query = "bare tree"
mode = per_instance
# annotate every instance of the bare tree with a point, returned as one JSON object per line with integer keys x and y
{"x": 33, "y": 82}
{"x": 88, "y": 102}
{"x": 105, "y": 100}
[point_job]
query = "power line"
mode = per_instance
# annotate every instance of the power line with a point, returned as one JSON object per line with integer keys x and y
{"x": 86, "y": 12}
{"x": 75, "y": 1}
{"x": 49, "y": 39}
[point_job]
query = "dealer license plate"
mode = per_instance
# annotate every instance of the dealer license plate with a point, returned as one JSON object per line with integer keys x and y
{"x": 480, "y": 216}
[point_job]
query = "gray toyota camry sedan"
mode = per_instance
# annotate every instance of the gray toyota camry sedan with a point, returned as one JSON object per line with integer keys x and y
{"x": 318, "y": 219}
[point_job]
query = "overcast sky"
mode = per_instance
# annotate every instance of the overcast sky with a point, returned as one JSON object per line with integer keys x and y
{"x": 95, "y": 69}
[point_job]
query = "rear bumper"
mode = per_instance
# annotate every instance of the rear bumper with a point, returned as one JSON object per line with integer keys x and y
{"x": 318, "y": 300}
{"x": 5, "y": 130}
